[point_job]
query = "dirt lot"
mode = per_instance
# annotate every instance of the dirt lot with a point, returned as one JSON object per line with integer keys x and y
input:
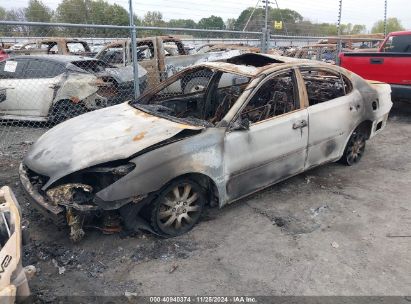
{"x": 330, "y": 231}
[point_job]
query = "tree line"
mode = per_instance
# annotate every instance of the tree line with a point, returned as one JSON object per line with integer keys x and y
{"x": 102, "y": 12}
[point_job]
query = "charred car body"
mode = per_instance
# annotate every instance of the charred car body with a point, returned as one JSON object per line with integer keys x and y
{"x": 57, "y": 87}
{"x": 257, "y": 120}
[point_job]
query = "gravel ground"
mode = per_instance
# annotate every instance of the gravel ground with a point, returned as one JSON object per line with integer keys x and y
{"x": 329, "y": 231}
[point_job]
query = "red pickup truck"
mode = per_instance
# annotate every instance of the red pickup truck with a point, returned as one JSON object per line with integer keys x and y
{"x": 391, "y": 64}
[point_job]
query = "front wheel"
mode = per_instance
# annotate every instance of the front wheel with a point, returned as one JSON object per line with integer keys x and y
{"x": 355, "y": 149}
{"x": 177, "y": 208}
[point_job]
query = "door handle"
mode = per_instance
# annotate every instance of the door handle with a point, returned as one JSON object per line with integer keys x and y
{"x": 300, "y": 124}
{"x": 376, "y": 60}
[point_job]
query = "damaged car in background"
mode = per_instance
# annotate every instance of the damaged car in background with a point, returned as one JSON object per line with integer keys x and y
{"x": 155, "y": 163}
{"x": 13, "y": 276}
{"x": 57, "y": 87}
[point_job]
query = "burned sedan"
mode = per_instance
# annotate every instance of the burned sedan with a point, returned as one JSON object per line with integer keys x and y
{"x": 57, "y": 87}
{"x": 244, "y": 124}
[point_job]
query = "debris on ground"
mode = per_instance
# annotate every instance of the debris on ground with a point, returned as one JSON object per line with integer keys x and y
{"x": 335, "y": 245}
{"x": 61, "y": 269}
{"x": 173, "y": 268}
{"x": 316, "y": 211}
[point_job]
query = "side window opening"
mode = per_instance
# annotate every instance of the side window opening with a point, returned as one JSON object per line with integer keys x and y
{"x": 12, "y": 69}
{"x": 112, "y": 55}
{"x": 42, "y": 69}
{"x": 173, "y": 48}
{"x": 277, "y": 96}
{"x": 76, "y": 47}
{"x": 145, "y": 50}
{"x": 323, "y": 85}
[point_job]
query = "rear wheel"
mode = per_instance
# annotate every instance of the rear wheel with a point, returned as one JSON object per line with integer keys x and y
{"x": 355, "y": 149}
{"x": 177, "y": 208}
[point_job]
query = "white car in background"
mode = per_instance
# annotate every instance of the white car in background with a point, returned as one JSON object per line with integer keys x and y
{"x": 57, "y": 87}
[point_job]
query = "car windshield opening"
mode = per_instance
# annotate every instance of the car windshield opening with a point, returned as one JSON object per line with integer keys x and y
{"x": 200, "y": 96}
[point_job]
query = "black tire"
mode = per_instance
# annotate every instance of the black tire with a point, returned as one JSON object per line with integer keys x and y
{"x": 355, "y": 149}
{"x": 64, "y": 110}
{"x": 173, "y": 214}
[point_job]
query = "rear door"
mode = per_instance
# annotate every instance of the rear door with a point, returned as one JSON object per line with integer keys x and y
{"x": 334, "y": 110}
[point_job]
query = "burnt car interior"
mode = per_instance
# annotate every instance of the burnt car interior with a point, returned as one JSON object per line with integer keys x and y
{"x": 277, "y": 96}
{"x": 323, "y": 85}
{"x": 202, "y": 96}
{"x": 145, "y": 50}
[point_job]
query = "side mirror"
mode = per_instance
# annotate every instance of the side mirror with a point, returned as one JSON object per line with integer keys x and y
{"x": 241, "y": 124}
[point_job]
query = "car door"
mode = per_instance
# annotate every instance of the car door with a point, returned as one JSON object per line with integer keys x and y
{"x": 334, "y": 110}
{"x": 35, "y": 92}
{"x": 11, "y": 74}
{"x": 148, "y": 57}
{"x": 275, "y": 145}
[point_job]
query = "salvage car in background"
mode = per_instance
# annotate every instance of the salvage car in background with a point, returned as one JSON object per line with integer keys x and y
{"x": 54, "y": 88}
{"x": 220, "y": 47}
{"x": 258, "y": 120}
{"x": 161, "y": 56}
{"x": 13, "y": 277}
{"x": 53, "y": 45}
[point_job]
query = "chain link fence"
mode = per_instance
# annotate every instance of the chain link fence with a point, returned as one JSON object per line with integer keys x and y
{"x": 68, "y": 70}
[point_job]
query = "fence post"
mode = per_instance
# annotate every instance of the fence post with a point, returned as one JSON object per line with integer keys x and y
{"x": 133, "y": 32}
{"x": 264, "y": 40}
{"x": 385, "y": 18}
{"x": 337, "y": 60}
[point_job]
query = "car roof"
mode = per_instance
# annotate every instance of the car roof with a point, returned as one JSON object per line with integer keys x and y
{"x": 55, "y": 58}
{"x": 400, "y": 33}
{"x": 252, "y": 64}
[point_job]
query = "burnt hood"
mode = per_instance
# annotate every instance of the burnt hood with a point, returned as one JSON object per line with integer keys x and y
{"x": 98, "y": 137}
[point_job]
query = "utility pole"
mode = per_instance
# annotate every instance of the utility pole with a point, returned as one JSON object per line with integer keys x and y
{"x": 339, "y": 32}
{"x": 266, "y": 32}
{"x": 133, "y": 33}
{"x": 385, "y": 19}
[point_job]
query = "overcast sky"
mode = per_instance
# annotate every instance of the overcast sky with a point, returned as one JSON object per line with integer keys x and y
{"x": 354, "y": 11}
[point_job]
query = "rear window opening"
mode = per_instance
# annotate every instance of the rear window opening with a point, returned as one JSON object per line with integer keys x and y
{"x": 252, "y": 59}
{"x": 91, "y": 66}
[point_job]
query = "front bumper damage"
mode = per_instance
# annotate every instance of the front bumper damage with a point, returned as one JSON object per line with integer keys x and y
{"x": 73, "y": 204}
{"x": 13, "y": 277}
{"x": 60, "y": 203}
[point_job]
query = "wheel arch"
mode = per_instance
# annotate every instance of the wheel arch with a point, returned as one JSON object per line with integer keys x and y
{"x": 205, "y": 181}
{"x": 365, "y": 126}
